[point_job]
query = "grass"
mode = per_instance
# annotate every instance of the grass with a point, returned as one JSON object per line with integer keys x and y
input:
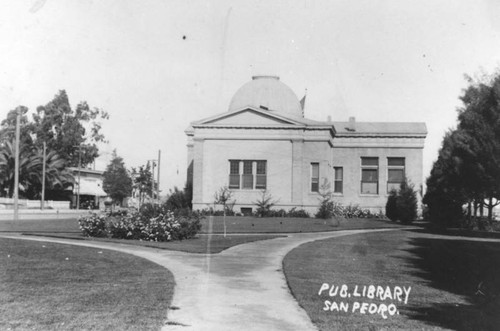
{"x": 240, "y": 230}
{"x": 46, "y": 286}
{"x": 454, "y": 283}
{"x": 203, "y": 244}
{"x": 241, "y": 224}
{"x": 45, "y": 225}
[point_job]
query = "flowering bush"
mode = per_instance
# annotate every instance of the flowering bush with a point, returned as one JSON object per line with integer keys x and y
{"x": 148, "y": 224}
{"x": 336, "y": 209}
{"x": 93, "y": 225}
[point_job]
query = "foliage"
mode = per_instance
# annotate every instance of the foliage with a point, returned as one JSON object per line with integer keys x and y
{"x": 30, "y": 171}
{"x": 150, "y": 223}
{"x": 402, "y": 204}
{"x": 143, "y": 181}
{"x": 444, "y": 197}
{"x": 177, "y": 200}
{"x": 353, "y": 211}
{"x": 188, "y": 194}
{"x": 264, "y": 204}
{"x": 297, "y": 213}
{"x": 406, "y": 203}
{"x": 391, "y": 206}
{"x": 326, "y": 205}
{"x": 66, "y": 133}
{"x": 292, "y": 213}
{"x": 467, "y": 170}
{"x": 63, "y": 128}
{"x": 116, "y": 179}
{"x": 93, "y": 225}
{"x": 222, "y": 197}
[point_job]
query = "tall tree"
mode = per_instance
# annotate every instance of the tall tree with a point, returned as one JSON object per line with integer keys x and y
{"x": 117, "y": 181}
{"x": 30, "y": 171}
{"x": 468, "y": 166}
{"x": 143, "y": 181}
{"x": 8, "y": 128}
{"x": 70, "y": 133}
{"x": 65, "y": 131}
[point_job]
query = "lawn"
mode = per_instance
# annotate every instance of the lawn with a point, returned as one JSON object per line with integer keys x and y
{"x": 454, "y": 282}
{"x": 240, "y": 230}
{"x": 45, "y": 286}
{"x": 203, "y": 243}
{"x": 242, "y": 224}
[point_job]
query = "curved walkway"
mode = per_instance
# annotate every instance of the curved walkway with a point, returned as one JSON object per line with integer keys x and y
{"x": 241, "y": 288}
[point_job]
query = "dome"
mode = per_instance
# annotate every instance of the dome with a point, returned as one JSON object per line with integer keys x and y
{"x": 269, "y": 93}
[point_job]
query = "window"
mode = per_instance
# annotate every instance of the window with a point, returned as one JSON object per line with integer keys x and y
{"x": 261, "y": 175}
{"x": 395, "y": 173}
{"x": 314, "y": 177}
{"x": 339, "y": 178}
{"x": 247, "y": 174}
{"x": 234, "y": 174}
{"x": 369, "y": 175}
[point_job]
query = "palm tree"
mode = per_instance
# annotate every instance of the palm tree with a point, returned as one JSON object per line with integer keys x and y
{"x": 30, "y": 171}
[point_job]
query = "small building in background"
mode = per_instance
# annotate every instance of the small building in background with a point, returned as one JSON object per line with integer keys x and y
{"x": 91, "y": 191}
{"x": 264, "y": 142}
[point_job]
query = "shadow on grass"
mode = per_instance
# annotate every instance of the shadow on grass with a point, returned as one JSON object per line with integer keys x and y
{"x": 470, "y": 269}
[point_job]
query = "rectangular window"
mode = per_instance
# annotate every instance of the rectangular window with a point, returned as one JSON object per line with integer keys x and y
{"x": 395, "y": 173}
{"x": 369, "y": 175}
{"x": 247, "y": 175}
{"x": 234, "y": 174}
{"x": 314, "y": 177}
{"x": 243, "y": 172}
{"x": 339, "y": 179}
{"x": 261, "y": 175}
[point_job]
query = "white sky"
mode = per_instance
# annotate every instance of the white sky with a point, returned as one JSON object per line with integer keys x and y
{"x": 375, "y": 60}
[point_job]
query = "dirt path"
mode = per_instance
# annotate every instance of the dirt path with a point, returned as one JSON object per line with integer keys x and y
{"x": 241, "y": 288}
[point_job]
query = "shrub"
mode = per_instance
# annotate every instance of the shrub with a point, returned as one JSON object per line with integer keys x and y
{"x": 151, "y": 223}
{"x": 264, "y": 205}
{"x": 391, "y": 206}
{"x": 93, "y": 225}
{"x": 189, "y": 226}
{"x": 406, "y": 203}
{"x": 326, "y": 205}
{"x": 402, "y": 204}
{"x": 178, "y": 200}
{"x": 298, "y": 213}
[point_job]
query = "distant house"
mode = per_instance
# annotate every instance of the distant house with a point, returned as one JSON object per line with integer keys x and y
{"x": 264, "y": 142}
{"x": 91, "y": 190}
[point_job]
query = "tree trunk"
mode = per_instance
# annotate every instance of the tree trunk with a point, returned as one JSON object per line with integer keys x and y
{"x": 469, "y": 214}
{"x": 490, "y": 209}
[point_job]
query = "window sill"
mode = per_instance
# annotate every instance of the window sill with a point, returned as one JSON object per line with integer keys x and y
{"x": 248, "y": 189}
{"x": 369, "y": 195}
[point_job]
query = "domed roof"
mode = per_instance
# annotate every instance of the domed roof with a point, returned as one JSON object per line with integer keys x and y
{"x": 269, "y": 93}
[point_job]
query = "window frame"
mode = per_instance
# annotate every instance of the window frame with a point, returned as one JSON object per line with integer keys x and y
{"x": 234, "y": 175}
{"x": 336, "y": 180}
{"x": 248, "y": 171}
{"x": 395, "y": 167}
{"x": 314, "y": 180}
{"x": 370, "y": 167}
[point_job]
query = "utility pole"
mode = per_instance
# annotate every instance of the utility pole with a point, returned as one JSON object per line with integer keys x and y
{"x": 42, "y": 202}
{"x": 16, "y": 165}
{"x": 152, "y": 180}
{"x": 158, "y": 179}
{"x": 79, "y": 174}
